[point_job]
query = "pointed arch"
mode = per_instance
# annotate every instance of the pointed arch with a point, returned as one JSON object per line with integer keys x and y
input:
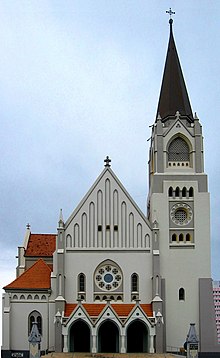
{"x": 174, "y": 238}
{"x": 137, "y": 337}
{"x": 184, "y": 192}
{"x": 181, "y": 237}
{"x": 35, "y": 316}
{"x": 188, "y": 237}
{"x": 134, "y": 282}
{"x": 170, "y": 191}
{"x": 78, "y": 330}
{"x": 178, "y": 150}
{"x": 81, "y": 283}
{"x": 108, "y": 337}
{"x": 191, "y": 192}
{"x": 177, "y": 192}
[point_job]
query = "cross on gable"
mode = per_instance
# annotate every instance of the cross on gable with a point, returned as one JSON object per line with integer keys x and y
{"x": 107, "y": 162}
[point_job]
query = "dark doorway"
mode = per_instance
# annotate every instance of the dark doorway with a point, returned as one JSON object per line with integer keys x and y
{"x": 108, "y": 338}
{"x": 137, "y": 338}
{"x": 80, "y": 337}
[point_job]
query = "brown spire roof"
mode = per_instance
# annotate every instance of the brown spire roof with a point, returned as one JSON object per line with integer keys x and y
{"x": 173, "y": 94}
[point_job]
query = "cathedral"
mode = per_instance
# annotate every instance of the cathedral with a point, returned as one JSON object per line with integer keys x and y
{"x": 113, "y": 279}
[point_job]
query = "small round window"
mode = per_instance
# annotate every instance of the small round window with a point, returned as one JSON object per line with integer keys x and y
{"x": 181, "y": 214}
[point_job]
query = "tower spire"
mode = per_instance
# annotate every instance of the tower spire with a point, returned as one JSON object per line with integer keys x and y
{"x": 173, "y": 94}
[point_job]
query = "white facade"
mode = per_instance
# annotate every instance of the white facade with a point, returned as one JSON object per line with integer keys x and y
{"x": 125, "y": 281}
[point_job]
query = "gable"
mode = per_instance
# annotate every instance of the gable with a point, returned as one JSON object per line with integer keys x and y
{"x": 107, "y": 217}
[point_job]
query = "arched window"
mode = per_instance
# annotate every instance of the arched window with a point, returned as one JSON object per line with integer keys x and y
{"x": 170, "y": 191}
{"x": 190, "y": 192}
{"x": 81, "y": 282}
{"x": 177, "y": 191}
{"x": 188, "y": 237}
{"x": 184, "y": 192}
{"x": 134, "y": 283}
{"x": 35, "y": 316}
{"x": 174, "y": 237}
{"x": 181, "y": 294}
{"x": 181, "y": 237}
{"x": 178, "y": 150}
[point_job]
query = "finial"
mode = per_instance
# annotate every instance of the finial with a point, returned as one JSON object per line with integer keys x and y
{"x": 195, "y": 116}
{"x": 28, "y": 226}
{"x": 177, "y": 115}
{"x": 159, "y": 117}
{"x": 107, "y": 161}
{"x": 170, "y": 12}
{"x": 61, "y": 222}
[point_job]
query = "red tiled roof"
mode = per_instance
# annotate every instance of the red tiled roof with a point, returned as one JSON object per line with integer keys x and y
{"x": 94, "y": 309}
{"x": 147, "y": 308}
{"x": 69, "y": 307}
{"x": 36, "y": 277}
{"x": 123, "y": 310}
{"x": 41, "y": 245}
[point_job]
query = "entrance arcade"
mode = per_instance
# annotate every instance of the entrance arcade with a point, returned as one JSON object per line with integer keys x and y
{"x": 137, "y": 337}
{"x": 108, "y": 338}
{"x": 80, "y": 337}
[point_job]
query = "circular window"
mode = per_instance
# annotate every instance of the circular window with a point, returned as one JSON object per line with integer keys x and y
{"x": 181, "y": 214}
{"x": 108, "y": 277}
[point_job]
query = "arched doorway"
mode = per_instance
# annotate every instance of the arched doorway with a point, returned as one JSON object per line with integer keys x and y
{"x": 80, "y": 337}
{"x": 108, "y": 338}
{"x": 137, "y": 337}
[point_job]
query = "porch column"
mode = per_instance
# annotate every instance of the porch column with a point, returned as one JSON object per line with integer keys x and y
{"x": 151, "y": 344}
{"x": 65, "y": 345}
{"x": 122, "y": 348}
{"x": 94, "y": 345}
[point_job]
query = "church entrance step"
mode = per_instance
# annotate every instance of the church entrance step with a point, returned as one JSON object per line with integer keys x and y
{"x": 108, "y": 355}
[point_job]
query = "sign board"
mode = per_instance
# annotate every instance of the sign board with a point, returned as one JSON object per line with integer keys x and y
{"x": 17, "y": 355}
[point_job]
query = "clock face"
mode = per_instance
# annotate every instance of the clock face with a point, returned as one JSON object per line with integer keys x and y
{"x": 181, "y": 214}
{"x": 108, "y": 277}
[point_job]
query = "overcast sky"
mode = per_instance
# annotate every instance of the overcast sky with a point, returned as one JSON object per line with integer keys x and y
{"x": 79, "y": 80}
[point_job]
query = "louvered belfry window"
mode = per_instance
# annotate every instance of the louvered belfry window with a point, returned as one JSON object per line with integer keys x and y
{"x": 178, "y": 151}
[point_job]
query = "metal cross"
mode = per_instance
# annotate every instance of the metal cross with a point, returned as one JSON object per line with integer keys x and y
{"x": 107, "y": 162}
{"x": 28, "y": 226}
{"x": 170, "y": 12}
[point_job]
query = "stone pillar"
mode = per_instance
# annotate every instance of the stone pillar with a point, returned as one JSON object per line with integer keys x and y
{"x": 94, "y": 343}
{"x": 58, "y": 332}
{"x": 151, "y": 344}
{"x": 122, "y": 348}
{"x": 65, "y": 343}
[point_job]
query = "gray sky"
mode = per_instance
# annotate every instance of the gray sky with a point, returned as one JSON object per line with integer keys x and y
{"x": 79, "y": 80}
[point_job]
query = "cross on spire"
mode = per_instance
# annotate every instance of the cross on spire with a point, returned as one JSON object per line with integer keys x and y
{"x": 107, "y": 161}
{"x": 170, "y": 12}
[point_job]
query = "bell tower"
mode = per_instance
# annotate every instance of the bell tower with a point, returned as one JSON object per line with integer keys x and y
{"x": 179, "y": 202}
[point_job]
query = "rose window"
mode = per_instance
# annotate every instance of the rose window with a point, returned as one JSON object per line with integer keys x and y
{"x": 181, "y": 214}
{"x": 108, "y": 277}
